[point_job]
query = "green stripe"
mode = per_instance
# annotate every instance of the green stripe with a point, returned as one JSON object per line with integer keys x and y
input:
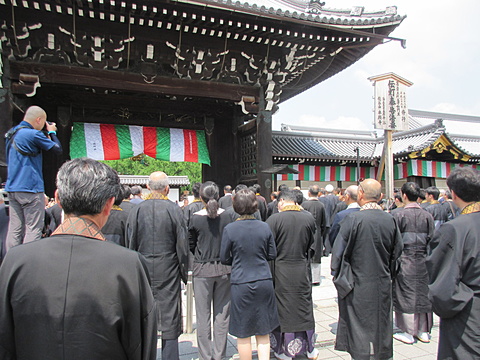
{"x": 322, "y": 173}
{"x": 163, "y": 144}
{"x": 78, "y": 146}
{"x": 338, "y": 173}
{"x": 124, "y": 141}
{"x": 203, "y": 156}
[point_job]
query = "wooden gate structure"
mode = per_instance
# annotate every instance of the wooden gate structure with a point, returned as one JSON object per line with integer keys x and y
{"x": 213, "y": 65}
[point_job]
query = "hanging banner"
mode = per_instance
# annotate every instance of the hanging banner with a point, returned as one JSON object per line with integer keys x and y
{"x": 436, "y": 169}
{"x": 328, "y": 173}
{"x": 114, "y": 142}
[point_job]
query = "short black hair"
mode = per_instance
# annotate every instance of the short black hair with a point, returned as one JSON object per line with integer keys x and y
{"x": 298, "y": 195}
{"x": 196, "y": 190}
{"x": 433, "y": 190}
{"x": 314, "y": 190}
{"x": 282, "y": 187}
{"x": 411, "y": 190}
{"x": 240, "y": 187}
{"x": 421, "y": 194}
{"x": 465, "y": 182}
{"x": 287, "y": 195}
{"x": 245, "y": 202}
{"x": 127, "y": 191}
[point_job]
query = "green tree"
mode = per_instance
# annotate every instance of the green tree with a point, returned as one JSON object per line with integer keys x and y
{"x": 145, "y": 165}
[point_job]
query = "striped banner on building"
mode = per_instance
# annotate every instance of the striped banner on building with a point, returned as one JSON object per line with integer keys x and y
{"x": 414, "y": 167}
{"x": 327, "y": 173}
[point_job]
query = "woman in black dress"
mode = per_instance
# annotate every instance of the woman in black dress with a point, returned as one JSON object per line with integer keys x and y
{"x": 248, "y": 245}
{"x": 211, "y": 279}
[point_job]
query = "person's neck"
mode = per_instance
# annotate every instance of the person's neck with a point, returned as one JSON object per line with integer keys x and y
{"x": 97, "y": 219}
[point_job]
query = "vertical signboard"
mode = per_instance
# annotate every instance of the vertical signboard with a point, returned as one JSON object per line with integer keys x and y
{"x": 391, "y": 112}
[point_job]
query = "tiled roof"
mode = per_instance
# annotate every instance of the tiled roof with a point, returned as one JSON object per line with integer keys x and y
{"x": 311, "y": 11}
{"x": 412, "y": 140}
{"x": 174, "y": 181}
{"x": 470, "y": 145}
{"x": 319, "y": 146}
{"x": 297, "y": 145}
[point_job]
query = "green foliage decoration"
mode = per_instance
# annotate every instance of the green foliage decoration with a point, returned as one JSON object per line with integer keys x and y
{"x": 145, "y": 165}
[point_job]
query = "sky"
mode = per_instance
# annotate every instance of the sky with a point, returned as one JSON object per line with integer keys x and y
{"x": 442, "y": 59}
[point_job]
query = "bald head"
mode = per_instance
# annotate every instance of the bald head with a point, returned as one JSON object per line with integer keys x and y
{"x": 36, "y": 117}
{"x": 371, "y": 190}
{"x": 158, "y": 181}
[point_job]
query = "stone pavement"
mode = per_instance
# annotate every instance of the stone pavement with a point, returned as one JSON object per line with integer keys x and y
{"x": 326, "y": 317}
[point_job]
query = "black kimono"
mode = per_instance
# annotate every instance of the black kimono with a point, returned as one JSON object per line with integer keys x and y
{"x": 364, "y": 261}
{"x": 317, "y": 209}
{"x": 114, "y": 228}
{"x": 73, "y": 296}
{"x": 439, "y": 213}
{"x": 155, "y": 228}
{"x": 453, "y": 265}
{"x": 411, "y": 283}
{"x": 293, "y": 231}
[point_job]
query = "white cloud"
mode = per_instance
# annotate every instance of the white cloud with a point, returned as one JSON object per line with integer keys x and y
{"x": 441, "y": 59}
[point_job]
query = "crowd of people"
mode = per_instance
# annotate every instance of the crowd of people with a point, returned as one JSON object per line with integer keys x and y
{"x": 102, "y": 279}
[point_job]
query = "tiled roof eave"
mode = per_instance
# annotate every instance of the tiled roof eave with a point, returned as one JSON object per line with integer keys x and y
{"x": 325, "y": 17}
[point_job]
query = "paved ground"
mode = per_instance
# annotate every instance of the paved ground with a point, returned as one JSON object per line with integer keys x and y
{"x": 326, "y": 316}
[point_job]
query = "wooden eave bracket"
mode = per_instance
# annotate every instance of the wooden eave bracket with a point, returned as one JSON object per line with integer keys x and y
{"x": 27, "y": 85}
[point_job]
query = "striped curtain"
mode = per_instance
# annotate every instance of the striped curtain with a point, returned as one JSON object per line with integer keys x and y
{"x": 426, "y": 168}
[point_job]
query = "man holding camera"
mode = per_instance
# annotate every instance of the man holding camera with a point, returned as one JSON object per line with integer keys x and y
{"x": 25, "y": 187}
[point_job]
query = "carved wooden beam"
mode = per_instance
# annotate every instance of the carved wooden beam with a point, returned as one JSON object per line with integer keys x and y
{"x": 131, "y": 82}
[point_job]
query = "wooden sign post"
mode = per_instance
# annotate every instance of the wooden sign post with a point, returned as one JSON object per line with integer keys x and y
{"x": 391, "y": 114}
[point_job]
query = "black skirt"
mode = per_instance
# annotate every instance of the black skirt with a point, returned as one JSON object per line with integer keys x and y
{"x": 253, "y": 309}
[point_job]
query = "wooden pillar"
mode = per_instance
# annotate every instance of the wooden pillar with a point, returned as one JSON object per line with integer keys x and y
{"x": 388, "y": 165}
{"x": 6, "y": 110}
{"x": 264, "y": 148}
{"x": 221, "y": 144}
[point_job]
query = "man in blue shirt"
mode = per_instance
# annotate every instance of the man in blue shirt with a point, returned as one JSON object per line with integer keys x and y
{"x": 24, "y": 145}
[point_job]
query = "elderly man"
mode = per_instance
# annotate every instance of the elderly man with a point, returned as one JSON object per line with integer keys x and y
{"x": 350, "y": 198}
{"x": 155, "y": 228}
{"x": 364, "y": 262}
{"x": 226, "y": 200}
{"x": 453, "y": 266}
{"x": 24, "y": 145}
{"x": 74, "y": 295}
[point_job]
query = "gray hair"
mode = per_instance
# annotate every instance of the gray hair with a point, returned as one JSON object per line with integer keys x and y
{"x": 158, "y": 184}
{"x": 352, "y": 191}
{"x": 84, "y": 186}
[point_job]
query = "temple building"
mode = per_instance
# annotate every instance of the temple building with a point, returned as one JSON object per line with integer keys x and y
{"x": 435, "y": 144}
{"x": 214, "y": 68}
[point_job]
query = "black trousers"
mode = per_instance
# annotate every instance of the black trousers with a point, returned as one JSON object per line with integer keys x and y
{"x": 170, "y": 349}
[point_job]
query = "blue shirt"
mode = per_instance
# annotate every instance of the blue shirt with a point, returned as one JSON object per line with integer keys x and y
{"x": 25, "y": 172}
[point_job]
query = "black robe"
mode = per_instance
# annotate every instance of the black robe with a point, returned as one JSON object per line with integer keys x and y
{"x": 294, "y": 233}
{"x": 439, "y": 213}
{"x": 73, "y": 297}
{"x": 317, "y": 209}
{"x": 364, "y": 262}
{"x": 190, "y": 209}
{"x": 411, "y": 284}
{"x": 453, "y": 266}
{"x": 155, "y": 228}
{"x": 114, "y": 228}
